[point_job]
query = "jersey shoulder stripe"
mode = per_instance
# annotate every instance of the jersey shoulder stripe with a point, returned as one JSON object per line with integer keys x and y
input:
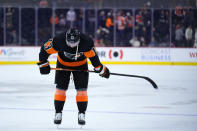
{"x": 48, "y": 47}
{"x": 90, "y": 53}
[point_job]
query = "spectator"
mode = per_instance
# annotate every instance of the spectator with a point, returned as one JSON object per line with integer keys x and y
{"x": 144, "y": 37}
{"x": 153, "y": 43}
{"x": 70, "y": 18}
{"x": 128, "y": 27}
{"x": 103, "y": 35}
{"x": 196, "y": 3}
{"x": 62, "y": 21}
{"x": 139, "y": 18}
{"x": 109, "y": 25}
{"x": 188, "y": 17}
{"x": 90, "y": 22}
{"x": 9, "y": 17}
{"x": 1, "y": 34}
{"x": 178, "y": 15}
{"x": 195, "y": 38}
{"x": 54, "y": 21}
{"x": 188, "y": 36}
{"x": 147, "y": 24}
{"x": 179, "y": 36}
{"x": 162, "y": 26}
{"x": 134, "y": 42}
{"x": 143, "y": 26}
{"x": 109, "y": 21}
{"x": 61, "y": 24}
{"x": 79, "y": 21}
{"x": 120, "y": 28}
{"x": 101, "y": 19}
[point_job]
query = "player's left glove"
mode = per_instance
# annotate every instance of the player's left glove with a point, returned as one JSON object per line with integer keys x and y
{"x": 44, "y": 67}
{"x": 103, "y": 71}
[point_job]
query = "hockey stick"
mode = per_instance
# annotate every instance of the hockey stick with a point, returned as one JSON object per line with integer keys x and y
{"x": 117, "y": 74}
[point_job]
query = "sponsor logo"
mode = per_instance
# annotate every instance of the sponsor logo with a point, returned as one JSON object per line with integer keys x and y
{"x": 101, "y": 54}
{"x": 193, "y": 54}
{"x": 2, "y": 52}
{"x": 11, "y": 52}
{"x": 155, "y": 55}
{"x": 115, "y": 54}
{"x": 72, "y": 56}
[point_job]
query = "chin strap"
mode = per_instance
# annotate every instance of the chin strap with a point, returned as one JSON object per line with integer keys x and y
{"x": 76, "y": 53}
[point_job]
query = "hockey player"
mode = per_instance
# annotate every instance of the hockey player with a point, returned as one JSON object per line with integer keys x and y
{"x": 73, "y": 49}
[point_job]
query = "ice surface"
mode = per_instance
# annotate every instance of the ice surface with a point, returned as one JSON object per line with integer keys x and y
{"x": 115, "y": 104}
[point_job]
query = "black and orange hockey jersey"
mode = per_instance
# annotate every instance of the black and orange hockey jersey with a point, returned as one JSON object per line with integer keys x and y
{"x": 66, "y": 55}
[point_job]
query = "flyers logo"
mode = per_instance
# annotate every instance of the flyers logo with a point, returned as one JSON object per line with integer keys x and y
{"x": 48, "y": 45}
{"x": 115, "y": 54}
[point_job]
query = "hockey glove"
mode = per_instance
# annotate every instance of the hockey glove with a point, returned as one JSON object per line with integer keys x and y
{"x": 103, "y": 71}
{"x": 44, "y": 67}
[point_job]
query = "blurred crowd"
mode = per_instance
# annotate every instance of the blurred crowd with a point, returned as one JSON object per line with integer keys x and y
{"x": 143, "y": 27}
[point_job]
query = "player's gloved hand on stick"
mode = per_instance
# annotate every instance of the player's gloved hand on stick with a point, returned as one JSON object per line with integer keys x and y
{"x": 103, "y": 71}
{"x": 44, "y": 67}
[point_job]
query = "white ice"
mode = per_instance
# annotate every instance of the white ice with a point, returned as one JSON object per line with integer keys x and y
{"x": 115, "y": 104}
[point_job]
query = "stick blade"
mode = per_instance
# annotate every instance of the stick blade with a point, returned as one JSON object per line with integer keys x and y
{"x": 152, "y": 82}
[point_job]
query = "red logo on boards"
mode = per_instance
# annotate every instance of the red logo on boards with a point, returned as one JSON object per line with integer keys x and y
{"x": 115, "y": 54}
{"x": 193, "y": 54}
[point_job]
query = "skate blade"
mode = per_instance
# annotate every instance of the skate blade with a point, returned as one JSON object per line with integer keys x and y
{"x": 57, "y": 126}
{"x": 81, "y": 127}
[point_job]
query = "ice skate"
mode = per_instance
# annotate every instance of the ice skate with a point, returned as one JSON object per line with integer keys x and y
{"x": 81, "y": 119}
{"x": 58, "y": 118}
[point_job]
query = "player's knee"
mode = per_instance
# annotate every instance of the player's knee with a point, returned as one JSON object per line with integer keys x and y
{"x": 82, "y": 95}
{"x": 60, "y": 95}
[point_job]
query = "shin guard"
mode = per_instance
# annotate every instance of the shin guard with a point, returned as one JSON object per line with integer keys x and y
{"x": 59, "y": 99}
{"x": 82, "y": 100}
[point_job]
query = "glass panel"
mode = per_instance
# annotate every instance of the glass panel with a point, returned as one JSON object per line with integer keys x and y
{"x": 90, "y": 22}
{"x": 183, "y": 20}
{"x": 12, "y": 26}
{"x": 161, "y": 29}
{"x": 67, "y": 18}
{"x": 105, "y": 29}
{"x": 79, "y": 19}
{"x": 124, "y": 27}
{"x": 44, "y": 24}
{"x": 195, "y": 28}
{"x": 60, "y": 26}
{"x": 28, "y": 26}
{"x": 177, "y": 27}
{"x": 1, "y": 27}
{"x": 143, "y": 26}
{"x": 189, "y": 26}
{"x": 70, "y": 18}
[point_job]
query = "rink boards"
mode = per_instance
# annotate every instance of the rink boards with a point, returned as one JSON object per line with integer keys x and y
{"x": 109, "y": 55}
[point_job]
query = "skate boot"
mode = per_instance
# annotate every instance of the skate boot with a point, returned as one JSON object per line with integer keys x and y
{"x": 81, "y": 119}
{"x": 58, "y": 118}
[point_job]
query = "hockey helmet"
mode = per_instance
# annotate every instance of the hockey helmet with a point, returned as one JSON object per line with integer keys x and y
{"x": 72, "y": 37}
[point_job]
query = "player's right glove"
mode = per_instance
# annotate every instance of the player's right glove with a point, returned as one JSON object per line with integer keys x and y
{"x": 103, "y": 71}
{"x": 44, "y": 67}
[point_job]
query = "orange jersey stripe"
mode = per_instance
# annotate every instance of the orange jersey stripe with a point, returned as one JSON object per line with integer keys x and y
{"x": 48, "y": 47}
{"x": 60, "y": 95}
{"x": 82, "y": 96}
{"x": 51, "y": 51}
{"x": 72, "y": 64}
{"x": 89, "y": 54}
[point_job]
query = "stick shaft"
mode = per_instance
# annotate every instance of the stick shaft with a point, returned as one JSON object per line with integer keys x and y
{"x": 117, "y": 74}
